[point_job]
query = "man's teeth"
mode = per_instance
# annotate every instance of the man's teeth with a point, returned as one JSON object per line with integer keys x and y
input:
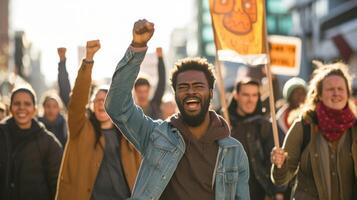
{"x": 192, "y": 101}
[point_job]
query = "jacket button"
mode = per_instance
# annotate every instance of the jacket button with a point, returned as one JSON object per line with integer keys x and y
{"x": 164, "y": 177}
{"x": 12, "y": 185}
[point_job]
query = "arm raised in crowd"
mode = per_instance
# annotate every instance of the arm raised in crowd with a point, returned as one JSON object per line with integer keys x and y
{"x": 63, "y": 80}
{"x": 160, "y": 89}
{"x": 79, "y": 99}
{"x": 131, "y": 120}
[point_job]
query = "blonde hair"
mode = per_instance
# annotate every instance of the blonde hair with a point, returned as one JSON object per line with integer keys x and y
{"x": 315, "y": 85}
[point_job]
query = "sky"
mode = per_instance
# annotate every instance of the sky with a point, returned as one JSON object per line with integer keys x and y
{"x": 49, "y": 24}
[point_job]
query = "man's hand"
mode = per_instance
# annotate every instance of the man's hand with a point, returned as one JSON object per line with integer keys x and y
{"x": 142, "y": 32}
{"x": 92, "y": 47}
{"x": 159, "y": 52}
{"x": 61, "y": 53}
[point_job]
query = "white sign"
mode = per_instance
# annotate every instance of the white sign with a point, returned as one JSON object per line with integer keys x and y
{"x": 285, "y": 55}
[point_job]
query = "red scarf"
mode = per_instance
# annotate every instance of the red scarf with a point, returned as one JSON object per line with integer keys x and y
{"x": 334, "y": 123}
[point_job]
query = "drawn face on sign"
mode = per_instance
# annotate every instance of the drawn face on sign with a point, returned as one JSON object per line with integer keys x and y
{"x": 239, "y": 15}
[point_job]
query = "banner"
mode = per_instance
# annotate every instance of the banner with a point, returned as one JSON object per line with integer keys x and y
{"x": 285, "y": 55}
{"x": 239, "y": 30}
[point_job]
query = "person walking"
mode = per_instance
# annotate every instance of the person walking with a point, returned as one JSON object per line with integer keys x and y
{"x": 320, "y": 149}
{"x": 99, "y": 163}
{"x": 30, "y": 155}
{"x": 190, "y": 156}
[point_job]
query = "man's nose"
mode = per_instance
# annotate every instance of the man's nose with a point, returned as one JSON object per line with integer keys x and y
{"x": 191, "y": 90}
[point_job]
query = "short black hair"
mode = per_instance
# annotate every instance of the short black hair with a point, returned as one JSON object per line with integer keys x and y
{"x": 246, "y": 81}
{"x": 197, "y": 64}
{"x": 141, "y": 81}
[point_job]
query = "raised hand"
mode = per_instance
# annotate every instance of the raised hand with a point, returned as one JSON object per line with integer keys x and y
{"x": 62, "y": 53}
{"x": 159, "y": 52}
{"x": 278, "y": 157}
{"x": 142, "y": 33}
{"x": 92, "y": 47}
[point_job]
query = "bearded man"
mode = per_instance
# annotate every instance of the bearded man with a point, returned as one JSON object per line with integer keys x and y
{"x": 189, "y": 156}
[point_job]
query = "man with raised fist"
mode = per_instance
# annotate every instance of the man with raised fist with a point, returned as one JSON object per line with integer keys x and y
{"x": 190, "y": 155}
{"x": 99, "y": 163}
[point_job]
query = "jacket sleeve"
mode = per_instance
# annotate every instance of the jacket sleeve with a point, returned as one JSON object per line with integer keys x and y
{"x": 119, "y": 104}
{"x": 79, "y": 100}
{"x": 63, "y": 82}
{"x": 160, "y": 89}
{"x": 292, "y": 145}
{"x": 53, "y": 162}
{"x": 267, "y": 141}
{"x": 242, "y": 192}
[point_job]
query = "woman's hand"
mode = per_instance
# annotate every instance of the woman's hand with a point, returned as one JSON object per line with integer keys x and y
{"x": 278, "y": 156}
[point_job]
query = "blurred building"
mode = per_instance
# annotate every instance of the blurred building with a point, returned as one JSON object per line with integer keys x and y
{"x": 27, "y": 62}
{"x": 4, "y": 34}
{"x": 328, "y": 29}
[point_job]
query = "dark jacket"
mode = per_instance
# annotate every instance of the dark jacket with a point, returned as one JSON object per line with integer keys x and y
{"x": 30, "y": 170}
{"x": 59, "y": 128}
{"x": 254, "y": 131}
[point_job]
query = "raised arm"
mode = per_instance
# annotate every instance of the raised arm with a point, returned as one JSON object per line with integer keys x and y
{"x": 63, "y": 80}
{"x": 160, "y": 89}
{"x": 79, "y": 99}
{"x": 132, "y": 121}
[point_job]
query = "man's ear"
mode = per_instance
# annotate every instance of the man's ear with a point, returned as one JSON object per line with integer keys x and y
{"x": 210, "y": 93}
{"x": 235, "y": 96}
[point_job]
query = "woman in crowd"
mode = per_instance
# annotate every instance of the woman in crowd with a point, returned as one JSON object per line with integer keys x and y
{"x": 99, "y": 163}
{"x": 30, "y": 156}
{"x": 321, "y": 148}
{"x": 52, "y": 117}
{"x": 294, "y": 92}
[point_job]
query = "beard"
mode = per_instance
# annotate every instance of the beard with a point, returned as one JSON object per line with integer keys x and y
{"x": 193, "y": 120}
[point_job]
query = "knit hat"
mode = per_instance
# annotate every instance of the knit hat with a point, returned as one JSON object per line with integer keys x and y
{"x": 291, "y": 85}
{"x": 24, "y": 88}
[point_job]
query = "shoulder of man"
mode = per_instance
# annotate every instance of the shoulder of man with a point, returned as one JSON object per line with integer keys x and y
{"x": 229, "y": 142}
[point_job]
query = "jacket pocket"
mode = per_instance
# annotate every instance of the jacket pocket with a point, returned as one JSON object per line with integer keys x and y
{"x": 230, "y": 184}
{"x": 158, "y": 150}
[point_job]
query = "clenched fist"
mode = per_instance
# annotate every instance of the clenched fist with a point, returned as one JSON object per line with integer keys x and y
{"x": 142, "y": 33}
{"x": 92, "y": 47}
{"x": 61, "y": 53}
{"x": 159, "y": 52}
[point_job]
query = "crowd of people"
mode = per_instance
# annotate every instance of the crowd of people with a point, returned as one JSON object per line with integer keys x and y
{"x": 115, "y": 142}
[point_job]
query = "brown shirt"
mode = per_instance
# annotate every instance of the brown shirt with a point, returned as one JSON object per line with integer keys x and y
{"x": 193, "y": 178}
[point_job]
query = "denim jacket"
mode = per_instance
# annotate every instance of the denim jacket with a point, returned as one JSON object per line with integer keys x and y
{"x": 162, "y": 145}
